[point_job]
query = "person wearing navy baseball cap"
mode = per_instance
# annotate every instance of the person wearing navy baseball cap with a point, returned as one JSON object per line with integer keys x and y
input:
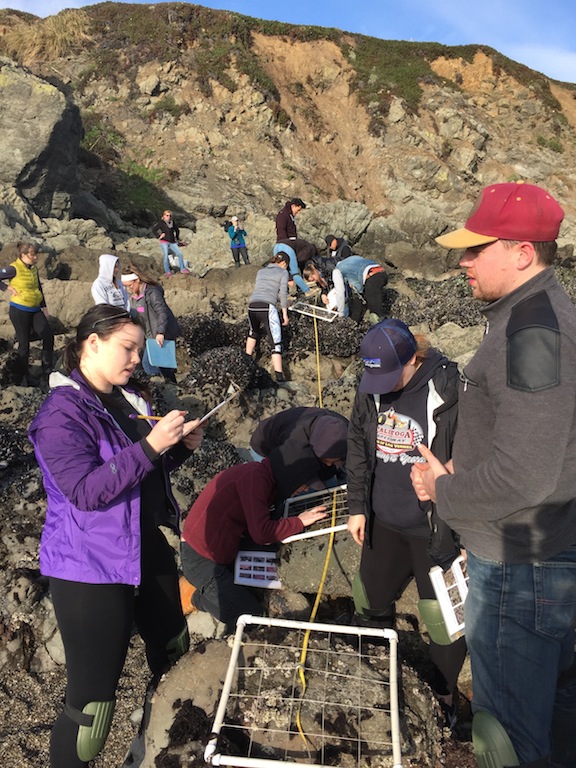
{"x": 407, "y": 395}
{"x": 511, "y": 493}
{"x": 386, "y": 349}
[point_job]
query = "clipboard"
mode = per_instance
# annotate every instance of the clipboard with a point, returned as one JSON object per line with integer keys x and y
{"x": 162, "y": 356}
{"x": 451, "y": 588}
{"x": 231, "y": 393}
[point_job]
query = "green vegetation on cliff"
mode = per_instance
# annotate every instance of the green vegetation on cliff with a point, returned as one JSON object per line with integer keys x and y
{"x": 117, "y": 37}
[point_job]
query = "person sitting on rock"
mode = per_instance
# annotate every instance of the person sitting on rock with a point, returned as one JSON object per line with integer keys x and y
{"x": 408, "y": 395}
{"x": 166, "y": 230}
{"x": 108, "y": 288}
{"x": 28, "y": 312}
{"x": 235, "y": 504}
{"x": 236, "y": 233}
{"x": 271, "y": 286}
{"x": 306, "y": 447}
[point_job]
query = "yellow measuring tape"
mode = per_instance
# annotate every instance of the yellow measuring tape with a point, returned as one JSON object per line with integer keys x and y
{"x": 304, "y": 652}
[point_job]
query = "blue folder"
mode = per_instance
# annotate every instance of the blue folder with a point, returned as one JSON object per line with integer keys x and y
{"x": 162, "y": 356}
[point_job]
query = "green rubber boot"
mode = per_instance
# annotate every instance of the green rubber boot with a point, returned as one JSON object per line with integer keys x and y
{"x": 431, "y": 615}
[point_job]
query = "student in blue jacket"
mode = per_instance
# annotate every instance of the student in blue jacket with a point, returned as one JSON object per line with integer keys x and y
{"x": 236, "y": 233}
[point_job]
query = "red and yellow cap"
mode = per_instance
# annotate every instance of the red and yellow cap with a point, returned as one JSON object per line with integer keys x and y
{"x": 511, "y": 211}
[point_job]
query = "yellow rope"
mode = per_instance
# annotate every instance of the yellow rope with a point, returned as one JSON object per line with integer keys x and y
{"x": 318, "y": 361}
{"x": 304, "y": 652}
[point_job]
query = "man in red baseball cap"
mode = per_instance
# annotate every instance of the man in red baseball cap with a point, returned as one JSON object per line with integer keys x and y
{"x": 506, "y": 214}
{"x": 512, "y": 494}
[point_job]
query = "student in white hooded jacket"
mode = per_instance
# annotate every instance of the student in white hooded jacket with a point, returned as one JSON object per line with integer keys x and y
{"x": 108, "y": 288}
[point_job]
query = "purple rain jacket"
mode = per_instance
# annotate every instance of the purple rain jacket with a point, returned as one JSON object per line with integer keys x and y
{"x": 92, "y": 473}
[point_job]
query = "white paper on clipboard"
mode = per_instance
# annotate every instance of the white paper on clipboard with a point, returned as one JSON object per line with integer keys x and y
{"x": 230, "y": 395}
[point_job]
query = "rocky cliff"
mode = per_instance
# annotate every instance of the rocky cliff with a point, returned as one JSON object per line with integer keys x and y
{"x": 215, "y": 113}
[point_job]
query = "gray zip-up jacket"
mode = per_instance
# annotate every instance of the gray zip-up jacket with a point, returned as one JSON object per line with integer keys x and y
{"x": 513, "y": 495}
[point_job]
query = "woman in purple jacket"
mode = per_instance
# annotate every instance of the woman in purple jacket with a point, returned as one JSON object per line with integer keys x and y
{"x": 105, "y": 471}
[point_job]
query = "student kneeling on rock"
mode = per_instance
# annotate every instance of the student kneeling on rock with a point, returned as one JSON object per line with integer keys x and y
{"x": 234, "y": 504}
{"x": 306, "y": 446}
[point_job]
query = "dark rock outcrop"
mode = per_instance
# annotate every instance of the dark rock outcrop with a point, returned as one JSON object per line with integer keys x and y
{"x": 41, "y": 131}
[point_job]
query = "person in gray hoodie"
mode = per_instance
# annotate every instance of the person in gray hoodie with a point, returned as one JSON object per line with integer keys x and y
{"x": 108, "y": 288}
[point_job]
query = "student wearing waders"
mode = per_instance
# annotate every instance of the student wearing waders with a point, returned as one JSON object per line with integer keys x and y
{"x": 407, "y": 395}
{"x": 271, "y": 286}
{"x": 105, "y": 468}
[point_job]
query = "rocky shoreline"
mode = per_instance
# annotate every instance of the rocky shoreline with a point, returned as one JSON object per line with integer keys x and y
{"x": 90, "y": 149}
{"x": 210, "y": 353}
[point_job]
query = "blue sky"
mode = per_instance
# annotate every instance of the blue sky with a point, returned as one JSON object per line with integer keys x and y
{"x": 538, "y": 34}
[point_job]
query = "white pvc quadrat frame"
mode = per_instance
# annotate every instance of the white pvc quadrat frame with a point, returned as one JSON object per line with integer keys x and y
{"x": 296, "y": 504}
{"x": 311, "y": 310}
{"x": 217, "y": 758}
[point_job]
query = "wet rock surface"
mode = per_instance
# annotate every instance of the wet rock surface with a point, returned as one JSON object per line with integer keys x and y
{"x": 266, "y": 695}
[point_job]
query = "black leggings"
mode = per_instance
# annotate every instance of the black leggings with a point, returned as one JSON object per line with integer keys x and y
{"x": 32, "y": 325}
{"x": 96, "y": 622}
{"x": 386, "y": 570}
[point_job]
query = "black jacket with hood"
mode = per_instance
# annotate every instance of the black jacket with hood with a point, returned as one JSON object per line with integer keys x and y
{"x": 361, "y": 455}
{"x": 288, "y": 439}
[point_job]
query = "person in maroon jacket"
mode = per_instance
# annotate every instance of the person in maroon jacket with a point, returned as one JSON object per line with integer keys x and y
{"x": 234, "y": 504}
{"x": 286, "y": 231}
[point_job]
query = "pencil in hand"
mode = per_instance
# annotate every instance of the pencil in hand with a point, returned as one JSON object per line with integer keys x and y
{"x": 143, "y": 416}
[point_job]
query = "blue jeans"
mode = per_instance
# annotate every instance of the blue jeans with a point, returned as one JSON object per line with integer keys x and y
{"x": 293, "y": 268}
{"x": 171, "y": 248}
{"x": 520, "y": 621}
